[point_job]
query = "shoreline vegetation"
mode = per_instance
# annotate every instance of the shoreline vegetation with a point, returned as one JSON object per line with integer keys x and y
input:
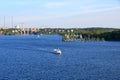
{"x": 93, "y": 34}
{"x": 70, "y": 34}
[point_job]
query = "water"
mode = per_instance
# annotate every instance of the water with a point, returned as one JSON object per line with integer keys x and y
{"x": 31, "y": 58}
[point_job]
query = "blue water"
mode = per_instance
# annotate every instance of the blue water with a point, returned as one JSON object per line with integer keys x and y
{"x": 31, "y": 58}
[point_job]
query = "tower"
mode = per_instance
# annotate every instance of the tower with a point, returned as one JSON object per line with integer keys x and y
{"x": 12, "y": 21}
{"x": 4, "y": 22}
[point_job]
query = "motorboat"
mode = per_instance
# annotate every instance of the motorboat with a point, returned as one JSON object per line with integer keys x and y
{"x": 38, "y": 36}
{"x": 58, "y": 51}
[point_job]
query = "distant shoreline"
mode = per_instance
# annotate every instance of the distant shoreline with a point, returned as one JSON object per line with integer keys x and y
{"x": 71, "y": 34}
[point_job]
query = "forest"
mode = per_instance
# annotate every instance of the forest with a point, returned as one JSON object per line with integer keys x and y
{"x": 93, "y": 34}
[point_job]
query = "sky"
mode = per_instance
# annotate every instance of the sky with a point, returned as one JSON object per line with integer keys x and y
{"x": 60, "y": 13}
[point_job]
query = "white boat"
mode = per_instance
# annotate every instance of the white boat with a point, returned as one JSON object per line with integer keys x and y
{"x": 38, "y": 36}
{"x": 58, "y": 51}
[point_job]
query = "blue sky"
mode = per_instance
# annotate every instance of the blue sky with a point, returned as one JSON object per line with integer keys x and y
{"x": 61, "y": 13}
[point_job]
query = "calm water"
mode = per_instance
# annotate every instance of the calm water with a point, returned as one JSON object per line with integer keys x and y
{"x": 30, "y": 58}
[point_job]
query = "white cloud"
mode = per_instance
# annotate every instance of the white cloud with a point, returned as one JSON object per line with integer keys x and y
{"x": 85, "y": 12}
{"x": 83, "y": 15}
{"x": 25, "y": 3}
{"x": 55, "y": 4}
{"x": 100, "y": 10}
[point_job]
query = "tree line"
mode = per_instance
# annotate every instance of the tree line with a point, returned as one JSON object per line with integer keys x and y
{"x": 93, "y": 34}
{"x": 82, "y": 34}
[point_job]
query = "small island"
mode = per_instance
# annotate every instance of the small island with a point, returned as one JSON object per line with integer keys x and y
{"x": 92, "y": 34}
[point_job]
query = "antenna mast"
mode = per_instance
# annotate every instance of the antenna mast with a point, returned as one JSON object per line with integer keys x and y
{"x": 4, "y": 21}
{"x": 12, "y": 21}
